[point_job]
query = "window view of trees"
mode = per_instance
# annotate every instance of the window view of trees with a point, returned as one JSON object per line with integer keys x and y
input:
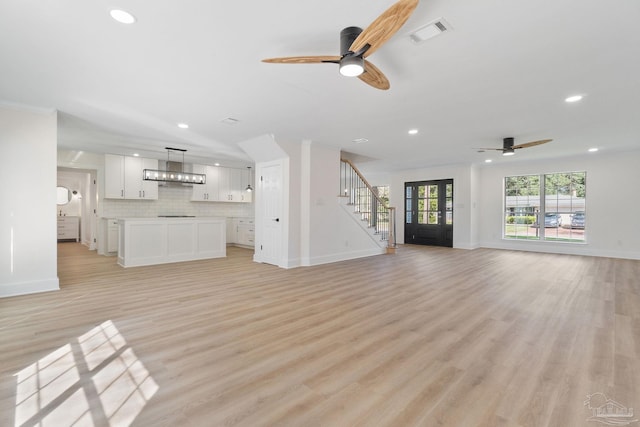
{"x": 523, "y": 201}
{"x": 546, "y": 207}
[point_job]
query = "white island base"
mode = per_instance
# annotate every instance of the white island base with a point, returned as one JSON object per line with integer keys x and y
{"x": 149, "y": 241}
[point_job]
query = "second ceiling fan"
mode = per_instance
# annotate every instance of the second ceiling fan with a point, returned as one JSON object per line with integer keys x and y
{"x": 356, "y": 44}
{"x": 508, "y": 149}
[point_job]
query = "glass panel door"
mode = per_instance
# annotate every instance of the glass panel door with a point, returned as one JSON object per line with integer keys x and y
{"x": 429, "y": 212}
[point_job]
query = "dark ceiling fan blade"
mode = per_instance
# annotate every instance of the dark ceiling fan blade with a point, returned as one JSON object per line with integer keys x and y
{"x": 384, "y": 27}
{"x": 531, "y": 144}
{"x": 374, "y": 77}
{"x": 303, "y": 60}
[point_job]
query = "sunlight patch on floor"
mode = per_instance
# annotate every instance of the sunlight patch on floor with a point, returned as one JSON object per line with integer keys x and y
{"x": 98, "y": 367}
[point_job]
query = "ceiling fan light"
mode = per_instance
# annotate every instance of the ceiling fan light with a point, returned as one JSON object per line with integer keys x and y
{"x": 508, "y": 153}
{"x": 351, "y": 66}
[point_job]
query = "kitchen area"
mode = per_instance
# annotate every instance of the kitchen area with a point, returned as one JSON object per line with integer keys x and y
{"x": 150, "y": 221}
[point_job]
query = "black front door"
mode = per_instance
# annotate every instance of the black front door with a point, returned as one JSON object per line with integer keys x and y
{"x": 428, "y": 212}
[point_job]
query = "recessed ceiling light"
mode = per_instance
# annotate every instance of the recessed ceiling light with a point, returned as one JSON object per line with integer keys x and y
{"x": 593, "y": 150}
{"x": 183, "y": 126}
{"x": 122, "y": 16}
{"x": 135, "y": 154}
{"x": 573, "y": 98}
{"x": 360, "y": 140}
{"x": 488, "y": 161}
{"x": 216, "y": 164}
{"x": 413, "y": 131}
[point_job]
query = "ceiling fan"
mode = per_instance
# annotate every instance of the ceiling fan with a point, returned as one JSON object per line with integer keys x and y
{"x": 356, "y": 44}
{"x": 508, "y": 149}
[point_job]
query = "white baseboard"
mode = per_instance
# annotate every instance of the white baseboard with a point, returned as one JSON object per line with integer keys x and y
{"x": 561, "y": 248}
{"x": 25, "y": 288}
{"x": 343, "y": 256}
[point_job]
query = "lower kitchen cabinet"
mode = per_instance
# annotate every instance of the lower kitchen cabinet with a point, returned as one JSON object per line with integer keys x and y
{"x": 241, "y": 231}
{"x": 112, "y": 235}
{"x": 246, "y": 232}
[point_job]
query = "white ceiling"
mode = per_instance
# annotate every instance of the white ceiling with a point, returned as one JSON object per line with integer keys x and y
{"x": 504, "y": 70}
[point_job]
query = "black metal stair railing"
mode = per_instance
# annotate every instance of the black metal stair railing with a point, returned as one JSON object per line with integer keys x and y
{"x": 367, "y": 203}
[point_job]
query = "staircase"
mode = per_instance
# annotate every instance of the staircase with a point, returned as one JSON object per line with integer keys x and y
{"x": 373, "y": 213}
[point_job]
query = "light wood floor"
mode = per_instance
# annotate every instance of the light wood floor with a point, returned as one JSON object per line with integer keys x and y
{"x": 425, "y": 337}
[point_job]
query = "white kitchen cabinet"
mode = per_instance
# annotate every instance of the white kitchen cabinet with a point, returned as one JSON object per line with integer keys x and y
{"x": 207, "y": 192}
{"x": 113, "y": 176}
{"x": 112, "y": 235}
{"x": 69, "y": 228}
{"x": 232, "y": 185}
{"x": 241, "y": 231}
{"x": 246, "y": 232}
{"x": 135, "y": 187}
{"x": 149, "y": 241}
{"x": 229, "y": 185}
{"x": 223, "y": 185}
{"x": 123, "y": 178}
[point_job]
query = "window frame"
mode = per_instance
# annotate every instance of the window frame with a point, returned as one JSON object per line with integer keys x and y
{"x": 576, "y": 204}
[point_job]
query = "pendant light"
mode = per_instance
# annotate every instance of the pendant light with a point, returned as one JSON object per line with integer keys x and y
{"x": 249, "y": 189}
{"x": 174, "y": 176}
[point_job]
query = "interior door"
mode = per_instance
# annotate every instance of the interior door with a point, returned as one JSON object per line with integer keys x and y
{"x": 428, "y": 217}
{"x": 269, "y": 208}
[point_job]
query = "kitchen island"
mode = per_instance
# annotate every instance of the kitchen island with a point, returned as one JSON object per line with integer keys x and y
{"x": 149, "y": 241}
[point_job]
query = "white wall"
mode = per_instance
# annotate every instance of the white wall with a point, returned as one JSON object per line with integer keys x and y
{"x": 465, "y": 209}
{"x": 316, "y": 228}
{"x": 612, "y": 204}
{"x": 475, "y": 193}
{"x": 28, "y": 252}
{"x": 331, "y": 234}
{"x": 291, "y": 201}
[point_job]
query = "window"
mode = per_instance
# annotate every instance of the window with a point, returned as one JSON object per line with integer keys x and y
{"x": 547, "y": 207}
{"x": 449, "y": 204}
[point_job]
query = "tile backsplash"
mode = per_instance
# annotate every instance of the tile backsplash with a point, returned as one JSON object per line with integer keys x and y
{"x": 173, "y": 201}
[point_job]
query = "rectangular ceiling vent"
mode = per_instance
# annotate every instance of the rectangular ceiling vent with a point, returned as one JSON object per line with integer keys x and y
{"x": 430, "y": 30}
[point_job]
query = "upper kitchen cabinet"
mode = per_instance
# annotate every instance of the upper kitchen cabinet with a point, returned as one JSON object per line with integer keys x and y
{"x": 229, "y": 185}
{"x": 135, "y": 186}
{"x": 223, "y": 185}
{"x": 123, "y": 178}
{"x": 113, "y": 176}
{"x": 233, "y": 184}
{"x": 207, "y": 192}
